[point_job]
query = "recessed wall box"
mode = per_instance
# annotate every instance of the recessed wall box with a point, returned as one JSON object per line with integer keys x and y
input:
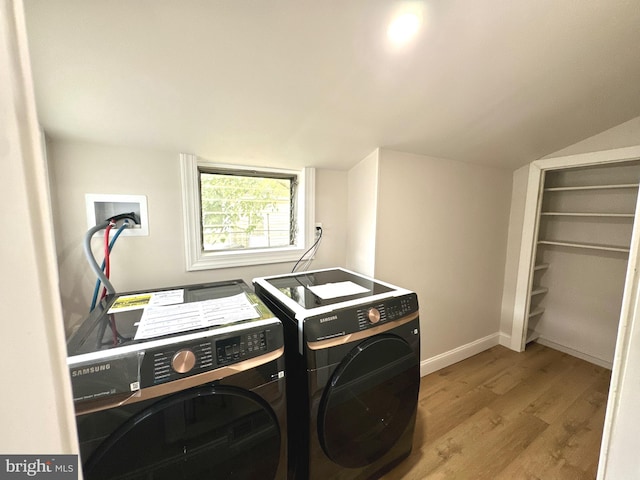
{"x": 103, "y": 206}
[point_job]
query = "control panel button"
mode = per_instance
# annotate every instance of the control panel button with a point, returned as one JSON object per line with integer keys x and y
{"x": 183, "y": 361}
{"x": 373, "y": 315}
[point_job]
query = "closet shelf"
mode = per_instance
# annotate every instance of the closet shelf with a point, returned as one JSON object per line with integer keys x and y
{"x": 539, "y": 290}
{"x": 532, "y": 335}
{"x": 588, "y": 214}
{"x": 591, "y": 187}
{"x": 589, "y": 246}
{"x": 538, "y": 311}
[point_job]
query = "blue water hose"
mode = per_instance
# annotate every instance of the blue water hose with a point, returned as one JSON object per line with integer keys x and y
{"x": 111, "y": 244}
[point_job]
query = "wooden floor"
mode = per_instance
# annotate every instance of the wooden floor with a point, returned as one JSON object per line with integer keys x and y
{"x": 535, "y": 415}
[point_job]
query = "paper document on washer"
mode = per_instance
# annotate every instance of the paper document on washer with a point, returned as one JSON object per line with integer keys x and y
{"x": 141, "y": 300}
{"x": 168, "y": 319}
{"x": 337, "y": 289}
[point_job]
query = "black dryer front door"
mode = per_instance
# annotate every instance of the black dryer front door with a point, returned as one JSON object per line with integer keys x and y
{"x": 369, "y": 402}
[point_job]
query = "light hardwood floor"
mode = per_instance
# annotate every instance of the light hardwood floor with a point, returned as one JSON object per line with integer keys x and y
{"x": 536, "y": 415}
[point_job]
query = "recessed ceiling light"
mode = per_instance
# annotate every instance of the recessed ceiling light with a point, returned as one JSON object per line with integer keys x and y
{"x": 403, "y": 28}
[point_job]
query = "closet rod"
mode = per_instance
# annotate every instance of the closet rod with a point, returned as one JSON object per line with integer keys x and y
{"x": 591, "y": 187}
{"x": 588, "y": 214}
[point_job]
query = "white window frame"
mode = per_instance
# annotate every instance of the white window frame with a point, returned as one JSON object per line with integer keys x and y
{"x": 199, "y": 259}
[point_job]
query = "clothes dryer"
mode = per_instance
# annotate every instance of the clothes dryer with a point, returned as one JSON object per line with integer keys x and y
{"x": 353, "y": 376}
{"x": 208, "y": 401}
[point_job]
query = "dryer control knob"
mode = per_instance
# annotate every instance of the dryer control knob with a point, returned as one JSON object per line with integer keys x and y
{"x": 373, "y": 315}
{"x": 183, "y": 361}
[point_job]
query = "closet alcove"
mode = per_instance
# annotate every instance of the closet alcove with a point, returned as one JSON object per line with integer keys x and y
{"x": 577, "y": 237}
{"x": 585, "y": 222}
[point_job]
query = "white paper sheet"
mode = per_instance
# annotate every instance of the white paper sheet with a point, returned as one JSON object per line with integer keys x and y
{"x": 338, "y": 289}
{"x": 227, "y": 310}
{"x": 167, "y": 297}
{"x": 168, "y": 319}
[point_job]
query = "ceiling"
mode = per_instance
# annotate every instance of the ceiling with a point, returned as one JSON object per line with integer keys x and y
{"x": 316, "y": 82}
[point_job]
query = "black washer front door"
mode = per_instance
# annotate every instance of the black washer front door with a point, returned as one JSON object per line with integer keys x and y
{"x": 369, "y": 402}
{"x": 204, "y": 433}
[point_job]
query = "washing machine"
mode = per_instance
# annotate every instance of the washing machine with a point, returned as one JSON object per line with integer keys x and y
{"x": 352, "y": 358}
{"x": 181, "y": 383}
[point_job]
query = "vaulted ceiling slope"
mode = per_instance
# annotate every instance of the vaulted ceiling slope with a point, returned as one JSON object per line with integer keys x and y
{"x": 316, "y": 83}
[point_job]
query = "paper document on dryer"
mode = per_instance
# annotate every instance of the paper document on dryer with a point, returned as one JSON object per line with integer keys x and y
{"x": 337, "y": 289}
{"x": 168, "y": 319}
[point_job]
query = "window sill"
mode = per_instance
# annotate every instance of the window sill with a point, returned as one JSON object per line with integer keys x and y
{"x": 237, "y": 258}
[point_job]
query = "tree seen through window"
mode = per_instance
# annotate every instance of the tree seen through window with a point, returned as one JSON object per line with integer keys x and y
{"x": 245, "y": 211}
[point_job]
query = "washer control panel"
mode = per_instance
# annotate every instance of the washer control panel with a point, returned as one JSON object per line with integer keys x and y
{"x": 191, "y": 358}
{"x": 176, "y": 361}
{"x": 240, "y": 347}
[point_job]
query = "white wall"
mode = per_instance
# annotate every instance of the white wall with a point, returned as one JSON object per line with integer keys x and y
{"x": 442, "y": 231}
{"x": 36, "y": 412}
{"x": 158, "y": 259}
{"x": 362, "y": 207}
{"x": 624, "y": 135}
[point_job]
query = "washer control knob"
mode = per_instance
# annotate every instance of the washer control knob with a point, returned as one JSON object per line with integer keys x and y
{"x": 373, "y": 315}
{"x": 183, "y": 361}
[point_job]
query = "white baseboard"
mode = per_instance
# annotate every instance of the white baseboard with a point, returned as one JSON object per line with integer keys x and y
{"x": 463, "y": 352}
{"x": 504, "y": 340}
{"x": 575, "y": 353}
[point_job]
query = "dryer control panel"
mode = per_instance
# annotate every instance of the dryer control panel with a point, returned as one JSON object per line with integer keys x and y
{"x": 388, "y": 310}
{"x": 362, "y": 317}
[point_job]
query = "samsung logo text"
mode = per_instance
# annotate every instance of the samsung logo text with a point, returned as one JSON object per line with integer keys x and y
{"x": 91, "y": 370}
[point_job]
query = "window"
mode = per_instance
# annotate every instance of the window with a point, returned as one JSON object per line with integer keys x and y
{"x": 237, "y": 216}
{"x": 246, "y": 210}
